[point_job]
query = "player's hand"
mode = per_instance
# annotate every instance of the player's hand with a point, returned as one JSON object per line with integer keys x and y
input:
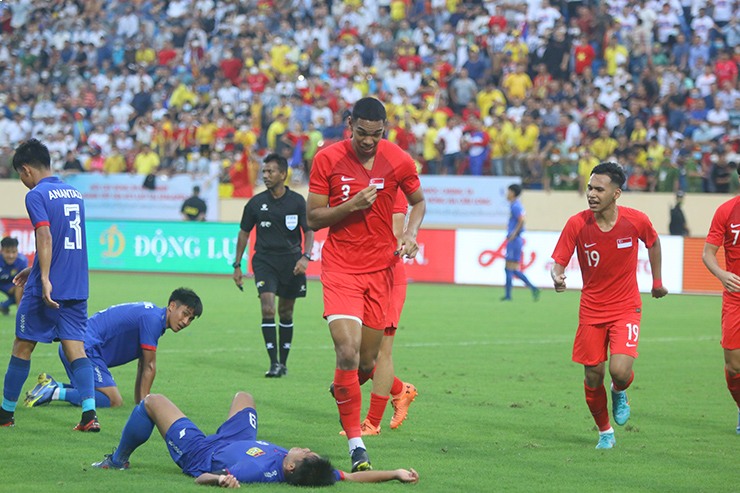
{"x": 21, "y": 278}
{"x": 46, "y": 294}
{"x": 407, "y": 476}
{"x": 730, "y": 281}
{"x": 364, "y": 198}
{"x": 659, "y": 292}
{"x": 407, "y": 246}
{"x": 559, "y": 283}
{"x": 228, "y": 481}
{"x": 238, "y": 278}
{"x": 300, "y": 266}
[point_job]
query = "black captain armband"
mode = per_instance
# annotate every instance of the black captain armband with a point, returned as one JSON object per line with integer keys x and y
{"x": 236, "y": 264}
{"x": 308, "y": 256}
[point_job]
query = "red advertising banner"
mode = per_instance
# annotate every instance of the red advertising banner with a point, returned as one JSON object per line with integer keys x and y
{"x": 23, "y": 231}
{"x": 433, "y": 263}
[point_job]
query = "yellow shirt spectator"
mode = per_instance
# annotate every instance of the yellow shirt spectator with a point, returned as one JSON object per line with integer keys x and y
{"x": 275, "y": 129}
{"x": 146, "y": 162}
{"x": 181, "y": 95}
{"x": 517, "y": 84}
{"x": 206, "y": 133}
{"x": 115, "y": 163}
{"x": 613, "y": 55}
{"x": 585, "y": 165}
{"x": 145, "y": 55}
{"x": 517, "y": 50}
{"x": 429, "y": 151}
{"x": 282, "y": 111}
{"x": 487, "y": 99}
{"x": 603, "y": 147}
{"x": 247, "y": 138}
{"x": 398, "y": 10}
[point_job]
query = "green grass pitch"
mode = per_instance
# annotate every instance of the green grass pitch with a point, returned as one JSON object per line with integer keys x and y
{"x": 500, "y": 405}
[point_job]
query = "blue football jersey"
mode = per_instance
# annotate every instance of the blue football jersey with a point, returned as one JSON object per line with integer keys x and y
{"x": 55, "y": 204}
{"x": 517, "y": 211}
{"x": 119, "y": 333}
{"x": 9, "y": 271}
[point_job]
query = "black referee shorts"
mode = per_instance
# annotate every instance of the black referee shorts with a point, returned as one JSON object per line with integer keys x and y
{"x": 274, "y": 274}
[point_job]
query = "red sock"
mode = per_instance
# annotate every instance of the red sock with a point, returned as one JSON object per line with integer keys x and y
{"x": 364, "y": 376}
{"x": 349, "y": 401}
{"x": 397, "y": 386}
{"x": 596, "y": 400}
{"x": 626, "y": 386}
{"x": 377, "y": 408}
{"x": 733, "y": 384}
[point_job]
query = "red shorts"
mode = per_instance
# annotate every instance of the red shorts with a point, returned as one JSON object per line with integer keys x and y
{"x": 398, "y": 298}
{"x": 730, "y": 326}
{"x": 619, "y": 337}
{"x": 365, "y": 296}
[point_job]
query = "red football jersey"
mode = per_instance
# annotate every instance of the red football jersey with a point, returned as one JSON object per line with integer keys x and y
{"x": 363, "y": 241}
{"x": 608, "y": 262}
{"x": 724, "y": 232}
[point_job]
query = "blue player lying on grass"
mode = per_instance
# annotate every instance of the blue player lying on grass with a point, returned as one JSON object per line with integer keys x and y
{"x": 232, "y": 455}
{"x": 11, "y": 263}
{"x": 114, "y": 337}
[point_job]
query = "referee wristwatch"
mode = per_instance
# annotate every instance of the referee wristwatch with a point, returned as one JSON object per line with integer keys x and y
{"x": 236, "y": 265}
{"x": 308, "y": 256}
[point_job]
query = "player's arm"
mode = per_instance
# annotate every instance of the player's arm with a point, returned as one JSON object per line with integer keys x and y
{"x": 655, "y": 259}
{"x": 302, "y": 264}
{"x": 558, "y": 277}
{"x": 407, "y": 245}
{"x": 20, "y": 279}
{"x": 517, "y": 228}
{"x": 730, "y": 281}
{"x": 43, "y": 251}
{"x": 241, "y": 244}
{"x": 145, "y": 374}
{"x": 402, "y": 475}
{"x": 221, "y": 480}
{"x": 320, "y": 215}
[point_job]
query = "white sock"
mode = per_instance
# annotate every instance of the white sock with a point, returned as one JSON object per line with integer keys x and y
{"x": 610, "y": 430}
{"x": 55, "y": 395}
{"x": 355, "y": 443}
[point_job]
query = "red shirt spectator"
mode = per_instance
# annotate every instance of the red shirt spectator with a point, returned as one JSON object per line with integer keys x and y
{"x": 725, "y": 70}
{"x": 232, "y": 67}
{"x": 584, "y": 55}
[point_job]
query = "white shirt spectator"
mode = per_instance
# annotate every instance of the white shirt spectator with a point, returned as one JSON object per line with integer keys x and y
{"x": 128, "y": 25}
{"x": 667, "y": 25}
{"x": 723, "y": 11}
{"x": 701, "y": 27}
{"x": 572, "y": 135}
{"x": 228, "y": 94}
{"x": 319, "y": 114}
{"x": 452, "y": 138}
{"x": 705, "y": 82}
{"x": 121, "y": 113}
{"x": 178, "y": 8}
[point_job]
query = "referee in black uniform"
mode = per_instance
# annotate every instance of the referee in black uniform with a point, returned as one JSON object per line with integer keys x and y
{"x": 279, "y": 262}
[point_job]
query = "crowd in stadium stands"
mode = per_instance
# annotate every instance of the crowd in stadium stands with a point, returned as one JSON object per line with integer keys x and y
{"x": 543, "y": 89}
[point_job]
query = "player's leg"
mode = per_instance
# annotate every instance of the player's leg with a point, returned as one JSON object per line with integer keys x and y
{"x": 83, "y": 380}
{"x": 514, "y": 251}
{"x": 18, "y": 293}
{"x": 509, "y": 271}
{"x": 269, "y": 331}
{"x": 242, "y": 400}
{"x": 285, "y": 312}
{"x": 589, "y": 349}
{"x": 623, "y": 341}
{"x": 15, "y": 376}
{"x": 9, "y": 291}
{"x": 732, "y": 377}
{"x": 731, "y": 345}
{"x": 382, "y": 382}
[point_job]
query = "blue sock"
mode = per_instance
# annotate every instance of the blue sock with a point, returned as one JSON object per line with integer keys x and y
{"x": 521, "y": 276}
{"x": 72, "y": 395}
{"x": 137, "y": 430}
{"x": 15, "y": 377}
{"x": 82, "y": 376}
{"x": 509, "y": 282}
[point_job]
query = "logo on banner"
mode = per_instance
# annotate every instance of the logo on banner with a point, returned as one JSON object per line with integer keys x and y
{"x": 488, "y": 257}
{"x": 291, "y": 221}
{"x": 113, "y": 242}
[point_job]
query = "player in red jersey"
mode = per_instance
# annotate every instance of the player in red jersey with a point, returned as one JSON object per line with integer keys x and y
{"x": 605, "y": 239}
{"x": 352, "y": 190}
{"x": 724, "y": 231}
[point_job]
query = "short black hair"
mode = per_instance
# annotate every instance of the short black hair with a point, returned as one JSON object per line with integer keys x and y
{"x": 187, "y": 297}
{"x": 516, "y": 189}
{"x": 9, "y": 242}
{"x": 196, "y": 189}
{"x": 276, "y": 158}
{"x": 312, "y": 471}
{"x": 32, "y": 153}
{"x": 613, "y": 170}
{"x": 369, "y": 109}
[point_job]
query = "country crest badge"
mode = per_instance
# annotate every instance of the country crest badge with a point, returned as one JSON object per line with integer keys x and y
{"x": 291, "y": 221}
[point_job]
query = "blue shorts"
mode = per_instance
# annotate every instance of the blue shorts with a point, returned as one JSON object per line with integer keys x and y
{"x": 35, "y": 321}
{"x": 6, "y": 287}
{"x": 514, "y": 249}
{"x": 101, "y": 373}
{"x": 191, "y": 449}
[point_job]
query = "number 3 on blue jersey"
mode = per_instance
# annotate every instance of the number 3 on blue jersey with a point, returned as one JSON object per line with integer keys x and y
{"x": 74, "y": 223}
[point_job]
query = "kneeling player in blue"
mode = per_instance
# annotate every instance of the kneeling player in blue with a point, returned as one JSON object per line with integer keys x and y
{"x": 116, "y": 336}
{"x": 232, "y": 455}
{"x": 11, "y": 263}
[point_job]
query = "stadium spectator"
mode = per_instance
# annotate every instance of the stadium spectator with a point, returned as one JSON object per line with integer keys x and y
{"x": 11, "y": 263}
{"x": 194, "y": 208}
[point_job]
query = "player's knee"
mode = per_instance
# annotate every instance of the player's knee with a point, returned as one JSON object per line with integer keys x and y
{"x": 151, "y": 401}
{"x": 245, "y": 397}
{"x": 733, "y": 367}
{"x": 116, "y": 401}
